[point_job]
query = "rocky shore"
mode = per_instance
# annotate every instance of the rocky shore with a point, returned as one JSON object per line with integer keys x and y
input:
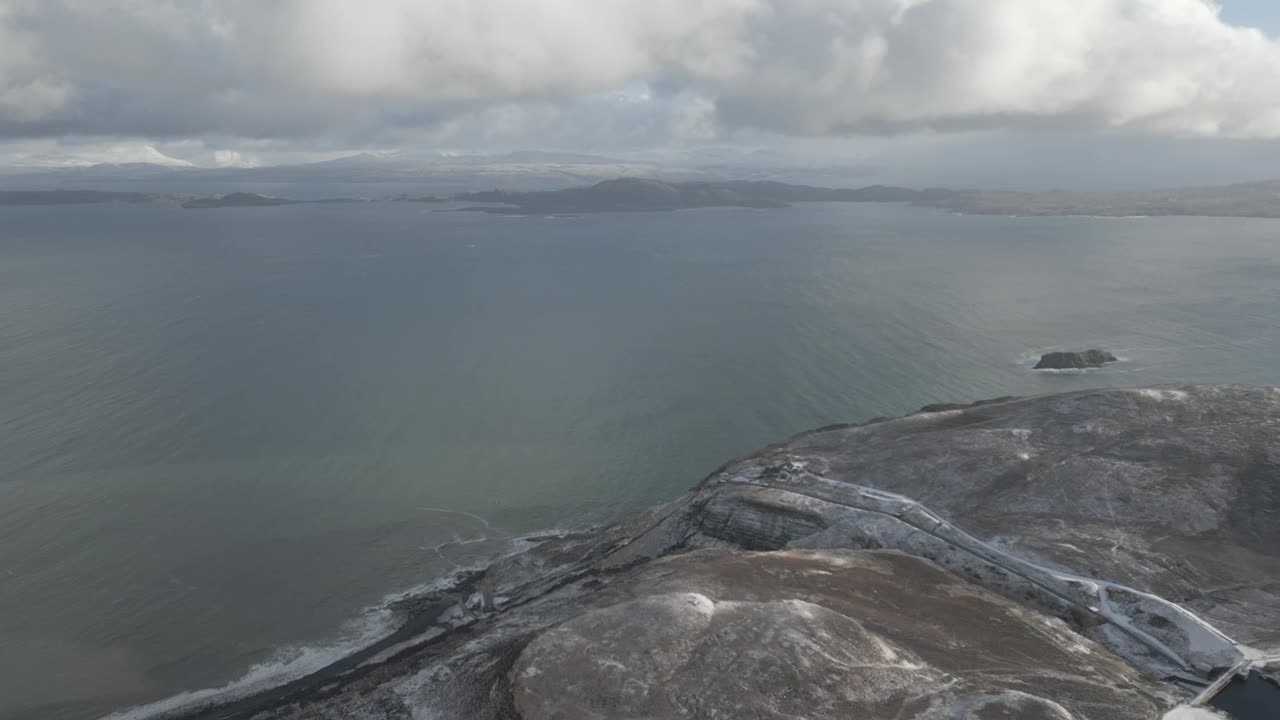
{"x": 1099, "y": 554}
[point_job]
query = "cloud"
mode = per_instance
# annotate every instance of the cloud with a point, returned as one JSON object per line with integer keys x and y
{"x": 294, "y": 69}
{"x": 28, "y": 91}
{"x": 41, "y": 154}
{"x": 233, "y": 159}
{"x": 1164, "y": 66}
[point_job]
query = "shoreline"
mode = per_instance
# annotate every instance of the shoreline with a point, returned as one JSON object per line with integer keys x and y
{"x": 427, "y": 610}
{"x": 457, "y": 648}
{"x": 420, "y": 610}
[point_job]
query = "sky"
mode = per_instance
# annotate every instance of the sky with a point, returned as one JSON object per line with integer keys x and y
{"x": 1147, "y": 87}
{"x": 1262, "y": 14}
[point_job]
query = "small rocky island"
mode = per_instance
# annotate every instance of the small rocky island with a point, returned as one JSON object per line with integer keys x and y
{"x": 1094, "y": 555}
{"x": 1075, "y": 360}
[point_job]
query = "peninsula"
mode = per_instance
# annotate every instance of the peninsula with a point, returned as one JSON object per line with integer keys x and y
{"x": 1095, "y": 555}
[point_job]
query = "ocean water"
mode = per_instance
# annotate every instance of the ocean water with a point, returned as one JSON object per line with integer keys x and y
{"x": 227, "y": 436}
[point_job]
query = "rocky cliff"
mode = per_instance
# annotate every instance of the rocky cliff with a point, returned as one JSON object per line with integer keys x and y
{"x": 1094, "y": 555}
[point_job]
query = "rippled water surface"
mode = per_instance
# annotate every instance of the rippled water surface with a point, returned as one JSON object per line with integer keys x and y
{"x": 225, "y": 433}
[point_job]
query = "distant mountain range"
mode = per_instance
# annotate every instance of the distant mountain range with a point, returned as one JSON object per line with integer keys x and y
{"x": 641, "y": 195}
{"x": 439, "y": 173}
{"x": 433, "y": 171}
{"x": 238, "y": 199}
{"x": 631, "y": 194}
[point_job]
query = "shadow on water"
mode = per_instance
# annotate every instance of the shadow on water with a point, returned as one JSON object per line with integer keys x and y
{"x": 1256, "y": 697}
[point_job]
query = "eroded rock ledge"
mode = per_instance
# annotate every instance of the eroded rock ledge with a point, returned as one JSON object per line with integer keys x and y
{"x": 1045, "y": 558}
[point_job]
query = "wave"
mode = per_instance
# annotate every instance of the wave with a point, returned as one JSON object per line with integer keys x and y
{"x": 288, "y": 664}
{"x": 371, "y": 625}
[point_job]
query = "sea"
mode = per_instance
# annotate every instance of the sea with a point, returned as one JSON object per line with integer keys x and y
{"x": 230, "y": 437}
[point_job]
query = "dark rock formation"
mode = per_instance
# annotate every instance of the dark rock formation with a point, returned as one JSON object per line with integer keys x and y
{"x": 1075, "y": 360}
{"x": 1043, "y": 558}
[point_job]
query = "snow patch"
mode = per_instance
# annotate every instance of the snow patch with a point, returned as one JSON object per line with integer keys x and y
{"x": 934, "y": 415}
{"x": 1186, "y": 712}
{"x": 1163, "y": 395}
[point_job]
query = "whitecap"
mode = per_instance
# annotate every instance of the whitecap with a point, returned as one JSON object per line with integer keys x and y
{"x": 290, "y": 663}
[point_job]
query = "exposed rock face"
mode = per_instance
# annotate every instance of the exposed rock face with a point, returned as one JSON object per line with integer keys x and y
{"x": 1075, "y": 360}
{"x": 1046, "y": 558}
{"x": 817, "y": 634}
{"x": 1174, "y": 491}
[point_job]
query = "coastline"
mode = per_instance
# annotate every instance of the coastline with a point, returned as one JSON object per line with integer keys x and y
{"x": 459, "y": 647}
{"x": 416, "y": 621}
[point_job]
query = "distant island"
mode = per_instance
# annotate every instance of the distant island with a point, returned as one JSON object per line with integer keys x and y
{"x": 81, "y": 197}
{"x": 238, "y": 199}
{"x": 644, "y": 195}
{"x": 243, "y": 199}
{"x": 633, "y": 194}
{"x": 639, "y": 195}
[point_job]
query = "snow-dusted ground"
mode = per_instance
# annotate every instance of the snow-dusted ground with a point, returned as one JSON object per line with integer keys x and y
{"x": 1181, "y": 637}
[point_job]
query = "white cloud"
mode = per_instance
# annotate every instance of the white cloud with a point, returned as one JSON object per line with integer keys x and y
{"x": 693, "y": 117}
{"x": 142, "y": 154}
{"x": 28, "y": 91}
{"x": 49, "y": 154}
{"x": 233, "y": 159}
{"x": 304, "y": 68}
{"x": 1167, "y": 66}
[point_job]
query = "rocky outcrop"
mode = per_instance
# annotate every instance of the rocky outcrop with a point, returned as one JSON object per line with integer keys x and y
{"x": 726, "y": 633}
{"x": 1075, "y": 360}
{"x": 816, "y": 634}
{"x": 1052, "y": 558}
